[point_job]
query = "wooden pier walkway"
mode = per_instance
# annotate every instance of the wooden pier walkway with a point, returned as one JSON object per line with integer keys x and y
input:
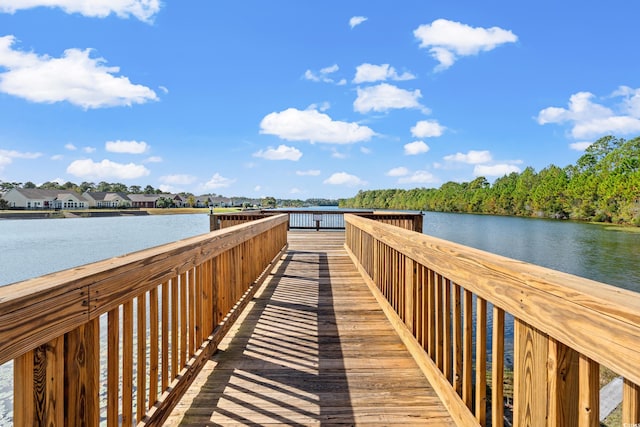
{"x": 312, "y": 348}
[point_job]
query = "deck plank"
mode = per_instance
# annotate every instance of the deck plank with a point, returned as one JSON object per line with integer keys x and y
{"x": 312, "y": 348}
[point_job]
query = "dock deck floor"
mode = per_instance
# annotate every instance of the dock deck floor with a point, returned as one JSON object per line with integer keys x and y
{"x": 312, "y": 348}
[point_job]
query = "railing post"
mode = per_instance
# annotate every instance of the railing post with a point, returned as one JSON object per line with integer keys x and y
{"x": 57, "y": 384}
{"x": 409, "y": 293}
{"x": 531, "y": 349}
{"x": 82, "y": 375}
{"x": 563, "y": 384}
{"x": 39, "y": 385}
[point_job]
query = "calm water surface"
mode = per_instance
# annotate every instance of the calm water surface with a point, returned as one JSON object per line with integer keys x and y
{"x": 593, "y": 251}
{"x": 31, "y": 248}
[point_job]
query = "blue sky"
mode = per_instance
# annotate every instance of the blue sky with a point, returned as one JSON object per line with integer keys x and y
{"x": 299, "y": 99}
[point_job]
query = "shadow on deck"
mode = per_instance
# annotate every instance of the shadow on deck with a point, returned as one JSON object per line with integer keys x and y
{"x": 313, "y": 347}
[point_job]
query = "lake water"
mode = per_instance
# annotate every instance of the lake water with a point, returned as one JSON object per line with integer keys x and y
{"x": 597, "y": 252}
{"x": 31, "y": 248}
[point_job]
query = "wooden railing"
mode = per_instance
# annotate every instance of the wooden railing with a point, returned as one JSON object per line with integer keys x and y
{"x": 446, "y": 300}
{"x": 120, "y": 340}
{"x": 327, "y": 219}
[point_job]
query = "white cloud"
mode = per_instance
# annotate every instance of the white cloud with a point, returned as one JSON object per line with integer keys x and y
{"x": 449, "y": 40}
{"x": 283, "y": 152}
{"x": 7, "y": 156}
{"x": 338, "y": 155}
{"x": 257, "y": 188}
{"x": 495, "y": 170}
{"x": 415, "y": 147}
{"x": 356, "y": 20}
{"x": 399, "y": 171}
{"x": 178, "y": 179}
{"x": 106, "y": 169}
{"x": 580, "y": 146}
{"x": 310, "y": 172}
{"x": 589, "y": 119}
{"x": 365, "y": 150}
{"x": 419, "y": 177}
{"x": 57, "y": 157}
{"x": 427, "y": 129}
{"x": 384, "y": 97}
{"x": 631, "y": 103}
{"x": 89, "y": 150}
{"x": 70, "y": 147}
{"x": 295, "y": 190}
{"x": 367, "y": 73}
{"x": 218, "y": 181}
{"x": 129, "y": 147}
{"x": 313, "y": 126}
{"x": 343, "y": 178}
{"x": 75, "y": 77}
{"x": 153, "y": 159}
{"x": 323, "y": 75}
{"x": 473, "y": 157}
{"x": 144, "y": 10}
{"x": 322, "y": 107}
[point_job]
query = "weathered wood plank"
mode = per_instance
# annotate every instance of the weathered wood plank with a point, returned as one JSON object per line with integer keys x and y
{"x": 301, "y": 353}
{"x": 597, "y": 320}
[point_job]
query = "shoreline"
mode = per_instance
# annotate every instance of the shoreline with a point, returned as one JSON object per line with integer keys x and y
{"x": 102, "y": 213}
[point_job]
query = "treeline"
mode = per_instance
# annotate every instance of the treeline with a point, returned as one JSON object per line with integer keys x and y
{"x": 81, "y": 188}
{"x": 602, "y": 186}
{"x": 110, "y": 187}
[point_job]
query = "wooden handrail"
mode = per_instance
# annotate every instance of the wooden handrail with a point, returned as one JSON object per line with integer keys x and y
{"x": 565, "y": 326}
{"x": 175, "y": 301}
{"x": 318, "y": 219}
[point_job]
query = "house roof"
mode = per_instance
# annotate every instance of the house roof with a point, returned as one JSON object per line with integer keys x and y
{"x": 106, "y": 195}
{"x": 38, "y": 194}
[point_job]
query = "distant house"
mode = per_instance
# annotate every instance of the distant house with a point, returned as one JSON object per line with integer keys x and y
{"x": 144, "y": 200}
{"x": 204, "y": 201}
{"x": 107, "y": 200}
{"x": 151, "y": 200}
{"x": 31, "y": 198}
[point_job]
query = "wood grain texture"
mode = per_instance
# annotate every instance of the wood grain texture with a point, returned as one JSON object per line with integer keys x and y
{"x": 531, "y": 348}
{"x": 630, "y": 403}
{"x": 39, "y": 310}
{"x": 595, "y": 319}
{"x": 313, "y": 348}
{"x": 497, "y": 368}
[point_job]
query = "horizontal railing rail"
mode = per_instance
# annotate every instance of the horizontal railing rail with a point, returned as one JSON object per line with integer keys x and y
{"x": 319, "y": 219}
{"x": 120, "y": 340}
{"x": 446, "y": 300}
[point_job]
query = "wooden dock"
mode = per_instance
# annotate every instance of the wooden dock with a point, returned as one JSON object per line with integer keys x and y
{"x": 313, "y": 347}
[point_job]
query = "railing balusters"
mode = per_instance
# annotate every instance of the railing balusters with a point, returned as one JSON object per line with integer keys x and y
{"x": 113, "y": 367}
{"x": 481, "y": 361}
{"x": 457, "y": 340}
{"x": 183, "y": 320}
{"x": 553, "y": 384}
{"x": 439, "y": 307}
{"x": 175, "y": 327}
{"x": 467, "y": 339}
{"x": 431, "y": 314}
{"x": 589, "y": 393}
{"x": 154, "y": 338}
{"x": 630, "y": 403}
{"x": 497, "y": 368}
{"x": 165, "y": 336}
{"x": 127, "y": 363}
{"x": 141, "y": 366}
{"x": 447, "y": 369}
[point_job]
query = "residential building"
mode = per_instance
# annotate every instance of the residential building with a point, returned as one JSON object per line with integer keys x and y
{"x": 107, "y": 200}
{"x": 31, "y": 198}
